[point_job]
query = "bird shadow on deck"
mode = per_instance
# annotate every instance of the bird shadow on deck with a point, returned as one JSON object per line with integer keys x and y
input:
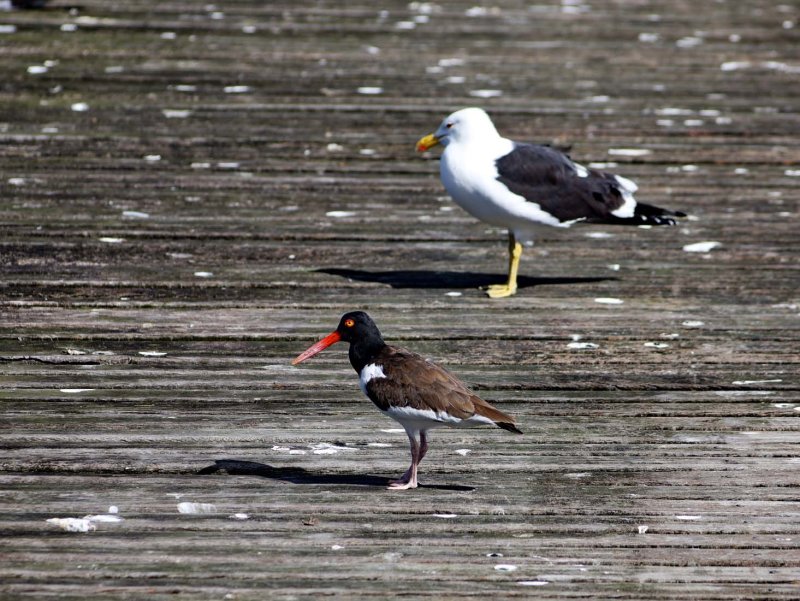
{"x": 299, "y": 475}
{"x": 449, "y": 279}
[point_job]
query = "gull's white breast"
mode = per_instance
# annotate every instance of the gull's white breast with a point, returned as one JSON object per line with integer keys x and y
{"x": 469, "y": 175}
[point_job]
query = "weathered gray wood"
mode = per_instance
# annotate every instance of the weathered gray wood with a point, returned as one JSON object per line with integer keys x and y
{"x": 683, "y": 420}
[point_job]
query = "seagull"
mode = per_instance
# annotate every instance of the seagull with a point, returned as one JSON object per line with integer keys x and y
{"x": 405, "y": 386}
{"x": 521, "y": 187}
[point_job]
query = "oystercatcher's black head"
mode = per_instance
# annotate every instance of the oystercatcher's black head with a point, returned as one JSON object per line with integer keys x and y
{"x": 357, "y": 326}
{"x": 359, "y": 330}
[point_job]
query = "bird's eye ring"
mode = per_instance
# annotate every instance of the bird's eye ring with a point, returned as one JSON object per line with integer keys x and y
{"x": 449, "y": 125}
{"x": 349, "y": 323}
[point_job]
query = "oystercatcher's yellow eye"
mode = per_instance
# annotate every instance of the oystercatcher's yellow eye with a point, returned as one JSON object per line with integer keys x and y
{"x": 349, "y": 323}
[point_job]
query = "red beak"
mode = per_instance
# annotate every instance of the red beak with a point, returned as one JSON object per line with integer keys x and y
{"x": 330, "y": 339}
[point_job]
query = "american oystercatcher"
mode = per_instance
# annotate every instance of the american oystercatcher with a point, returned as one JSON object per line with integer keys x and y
{"x": 408, "y": 388}
{"x": 524, "y": 186}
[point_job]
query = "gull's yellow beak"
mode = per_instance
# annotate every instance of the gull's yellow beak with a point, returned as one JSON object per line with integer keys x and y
{"x": 427, "y": 143}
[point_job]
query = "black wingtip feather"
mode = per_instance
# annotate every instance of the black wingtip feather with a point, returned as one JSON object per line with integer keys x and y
{"x": 653, "y": 215}
{"x": 646, "y": 214}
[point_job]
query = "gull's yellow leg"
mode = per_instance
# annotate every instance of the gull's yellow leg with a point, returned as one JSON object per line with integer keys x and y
{"x": 514, "y": 254}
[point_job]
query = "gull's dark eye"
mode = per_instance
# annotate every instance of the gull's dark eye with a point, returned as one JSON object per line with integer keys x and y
{"x": 449, "y": 125}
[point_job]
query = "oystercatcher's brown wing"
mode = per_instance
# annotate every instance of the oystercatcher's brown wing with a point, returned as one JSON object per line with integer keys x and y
{"x": 413, "y": 381}
{"x": 503, "y": 420}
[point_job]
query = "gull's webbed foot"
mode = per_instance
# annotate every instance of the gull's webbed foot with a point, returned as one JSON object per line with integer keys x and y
{"x": 500, "y": 291}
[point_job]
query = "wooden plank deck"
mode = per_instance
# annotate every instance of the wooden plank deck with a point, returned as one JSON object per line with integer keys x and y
{"x": 230, "y": 190}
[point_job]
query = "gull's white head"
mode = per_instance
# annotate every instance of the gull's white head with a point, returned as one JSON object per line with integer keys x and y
{"x": 462, "y": 126}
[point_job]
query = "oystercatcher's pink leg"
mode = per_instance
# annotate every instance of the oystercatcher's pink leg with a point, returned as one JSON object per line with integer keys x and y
{"x": 409, "y": 478}
{"x": 423, "y": 445}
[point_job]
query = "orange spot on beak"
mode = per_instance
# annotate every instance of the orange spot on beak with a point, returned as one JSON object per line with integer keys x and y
{"x": 427, "y": 143}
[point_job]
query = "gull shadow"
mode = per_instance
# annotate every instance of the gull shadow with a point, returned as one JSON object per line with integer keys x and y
{"x": 449, "y": 279}
{"x": 299, "y": 475}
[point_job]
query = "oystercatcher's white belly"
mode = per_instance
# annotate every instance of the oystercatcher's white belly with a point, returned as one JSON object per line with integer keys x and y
{"x": 426, "y": 419}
